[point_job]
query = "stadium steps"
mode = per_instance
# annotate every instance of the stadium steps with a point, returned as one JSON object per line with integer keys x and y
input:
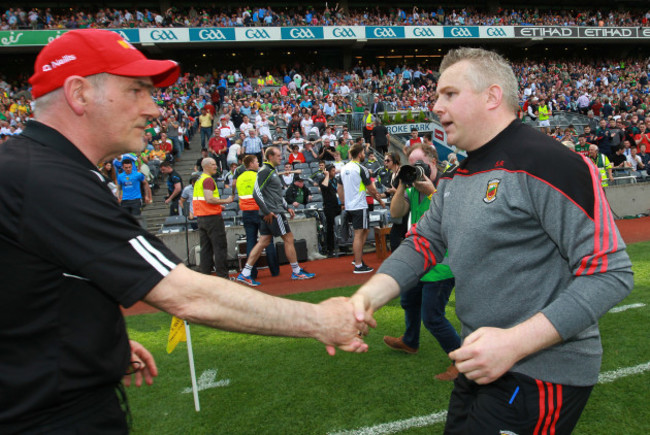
{"x": 155, "y": 214}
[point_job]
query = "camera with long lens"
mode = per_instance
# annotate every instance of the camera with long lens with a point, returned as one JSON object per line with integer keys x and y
{"x": 409, "y": 174}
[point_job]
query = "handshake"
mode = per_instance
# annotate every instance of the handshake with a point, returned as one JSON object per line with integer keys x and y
{"x": 343, "y": 322}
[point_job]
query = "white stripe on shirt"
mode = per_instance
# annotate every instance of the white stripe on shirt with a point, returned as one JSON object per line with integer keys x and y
{"x": 148, "y": 257}
{"x": 159, "y": 255}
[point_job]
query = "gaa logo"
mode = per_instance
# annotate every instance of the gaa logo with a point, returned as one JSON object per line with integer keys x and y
{"x": 301, "y": 34}
{"x": 163, "y": 35}
{"x": 384, "y": 32}
{"x": 123, "y": 35}
{"x": 213, "y": 34}
{"x": 460, "y": 32}
{"x": 257, "y": 34}
{"x": 343, "y": 32}
{"x": 424, "y": 32}
{"x": 496, "y": 31}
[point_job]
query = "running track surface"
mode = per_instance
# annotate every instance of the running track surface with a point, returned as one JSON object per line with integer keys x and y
{"x": 337, "y": 272}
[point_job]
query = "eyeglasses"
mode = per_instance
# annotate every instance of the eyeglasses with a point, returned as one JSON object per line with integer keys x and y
{"x": 387, "y": 161}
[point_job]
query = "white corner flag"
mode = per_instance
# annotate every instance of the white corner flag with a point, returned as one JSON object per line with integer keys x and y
{"x": 180, "y": 331}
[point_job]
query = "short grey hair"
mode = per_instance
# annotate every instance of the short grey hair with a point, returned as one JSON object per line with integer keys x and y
{"x": 43, "y": 103}
{"x": 486, "y": 68}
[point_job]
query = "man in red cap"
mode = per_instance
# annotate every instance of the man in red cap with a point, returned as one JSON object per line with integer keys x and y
{"x": 70, "y": 256}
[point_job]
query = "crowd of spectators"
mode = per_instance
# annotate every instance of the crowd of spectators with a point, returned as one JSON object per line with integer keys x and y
{"x": 297, "y": 110}
{"x": 69, "y": 18}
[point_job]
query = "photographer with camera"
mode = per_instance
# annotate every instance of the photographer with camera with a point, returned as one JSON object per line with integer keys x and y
{"x": 426, "y": 302}
{"x": 387, "y": 177}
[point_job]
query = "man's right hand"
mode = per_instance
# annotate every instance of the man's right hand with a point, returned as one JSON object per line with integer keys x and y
{"x": 269, "y": 218}
{"x": 339, "y": 327}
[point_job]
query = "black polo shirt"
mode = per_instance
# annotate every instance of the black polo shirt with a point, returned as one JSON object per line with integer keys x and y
{"x": 69, "y": 257}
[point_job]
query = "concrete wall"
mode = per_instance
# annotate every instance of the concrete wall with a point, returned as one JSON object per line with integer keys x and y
{"x": 301, "y": 229}
{"x": 629, "y": 199}
{"x": 625, "y": 200}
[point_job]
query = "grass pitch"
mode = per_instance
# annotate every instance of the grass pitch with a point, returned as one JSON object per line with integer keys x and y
{"x": 291, "y": 386}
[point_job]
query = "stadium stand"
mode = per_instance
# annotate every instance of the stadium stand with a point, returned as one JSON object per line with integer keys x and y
{"x": 259, "y": 16}
{"x": 578, "y": 92}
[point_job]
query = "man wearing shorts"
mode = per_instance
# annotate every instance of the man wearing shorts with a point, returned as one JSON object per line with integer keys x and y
{"x": 268, "y": 196}
{"x": 355, "y": 180}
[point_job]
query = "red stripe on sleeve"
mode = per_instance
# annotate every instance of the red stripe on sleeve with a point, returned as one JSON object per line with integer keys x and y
{"x": 604, "y": 228}
{"x": 422, "y": 246}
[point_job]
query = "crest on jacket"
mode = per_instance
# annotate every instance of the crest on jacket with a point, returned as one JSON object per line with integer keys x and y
{"x": 491, "y": 191}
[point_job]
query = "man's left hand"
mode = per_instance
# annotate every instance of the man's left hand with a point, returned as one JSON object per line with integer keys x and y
{"x": 292, "y": 213}
{"x": 142, "y": 365}
{"x": 425, "y": 186}
{"x": 486, "y": 354}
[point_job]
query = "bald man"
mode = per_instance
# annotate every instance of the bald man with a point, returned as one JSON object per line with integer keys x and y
{"x": 212, "y": 231}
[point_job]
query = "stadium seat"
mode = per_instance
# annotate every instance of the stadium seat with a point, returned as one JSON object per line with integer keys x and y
{"x": 174, "y": 224}
{"x": 229, "y": 217}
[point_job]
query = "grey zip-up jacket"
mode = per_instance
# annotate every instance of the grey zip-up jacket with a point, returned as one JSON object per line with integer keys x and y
{"x": 528, "y": 230}
{"x": 268, "y": 191}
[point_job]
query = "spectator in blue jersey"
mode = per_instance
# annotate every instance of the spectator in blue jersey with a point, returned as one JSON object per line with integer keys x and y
{"x": 130, "y": 184}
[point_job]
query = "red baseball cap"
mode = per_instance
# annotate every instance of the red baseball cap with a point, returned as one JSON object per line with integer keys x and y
{"x": 93, "y": 51}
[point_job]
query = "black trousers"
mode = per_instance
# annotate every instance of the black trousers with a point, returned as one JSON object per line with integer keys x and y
{"x": 397, "y": 233}
{"x": 101, "y": 413}
{"x": 330, "y": 214}
{"x": 173, "y": 206}
{"x": 214, "y": 245}
{"x": 133, "y": 206}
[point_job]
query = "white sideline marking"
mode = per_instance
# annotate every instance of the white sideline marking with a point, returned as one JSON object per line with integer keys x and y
{"x": 611, "y": 376}
{"x": 398, "y": 426}
{"x": 438, "y": 417}
{"x": 625, "y": 307}
{"x": 207, "y": 380}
